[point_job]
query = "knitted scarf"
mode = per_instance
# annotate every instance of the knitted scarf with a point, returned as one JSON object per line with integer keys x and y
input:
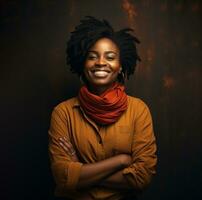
{"x": 106, "y": 108}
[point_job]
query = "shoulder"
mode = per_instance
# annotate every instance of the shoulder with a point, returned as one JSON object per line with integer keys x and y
{"x": 136, "y": 103}
{"x": 140, "y": 110}
{"x": 65, "y": 106}
{"x": 138, "y": 107}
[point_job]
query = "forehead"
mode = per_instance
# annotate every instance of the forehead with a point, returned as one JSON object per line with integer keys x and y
{"x": 104, "y": 44}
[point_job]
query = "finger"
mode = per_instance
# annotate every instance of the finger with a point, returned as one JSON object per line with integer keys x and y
{"x": 67, "y": 141}
{"x": 64, "y": 147}
{"x": 68, "y": 144}
{"x": 65, "y": 138}
{"x": 63, "y": 143}
{"x": 68, "y": 149}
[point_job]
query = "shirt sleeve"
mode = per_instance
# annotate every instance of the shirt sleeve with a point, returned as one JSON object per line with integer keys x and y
{"x": 65, "y": 171}
{"x": 144, "y": 158}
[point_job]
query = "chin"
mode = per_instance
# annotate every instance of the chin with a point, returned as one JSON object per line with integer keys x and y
{"x": 101, "y": 83}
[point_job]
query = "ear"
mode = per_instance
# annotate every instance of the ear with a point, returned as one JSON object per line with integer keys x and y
{"x": 120, "y": 69}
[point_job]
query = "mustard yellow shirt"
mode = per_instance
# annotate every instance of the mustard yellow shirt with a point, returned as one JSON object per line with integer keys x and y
{"x": 132, "y": 134}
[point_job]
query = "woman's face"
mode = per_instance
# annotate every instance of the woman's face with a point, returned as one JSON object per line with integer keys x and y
{"x": 102, "y": 64}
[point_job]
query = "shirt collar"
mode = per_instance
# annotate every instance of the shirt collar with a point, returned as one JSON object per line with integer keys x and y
{"x": 76, "y": 102}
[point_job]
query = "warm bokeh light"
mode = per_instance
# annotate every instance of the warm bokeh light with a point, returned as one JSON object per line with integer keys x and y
{"x": 195, "y": 7}
{"x": 168, "y": 82}
{"x": 131, "y": 12}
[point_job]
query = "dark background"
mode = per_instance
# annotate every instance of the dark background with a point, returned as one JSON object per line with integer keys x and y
{"x": 34, "y": 78}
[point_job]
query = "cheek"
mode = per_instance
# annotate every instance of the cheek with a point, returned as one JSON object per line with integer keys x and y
{"x": 117, "y": 70}
{"x": 116, "y": 67}
{"x": 87, "y": 65}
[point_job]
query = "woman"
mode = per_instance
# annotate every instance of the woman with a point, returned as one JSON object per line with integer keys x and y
{"x": 101, "y": 143}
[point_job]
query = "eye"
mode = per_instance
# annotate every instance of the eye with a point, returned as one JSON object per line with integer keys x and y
{"x": 91, "y": 56}
{"x": 111, "y": 56}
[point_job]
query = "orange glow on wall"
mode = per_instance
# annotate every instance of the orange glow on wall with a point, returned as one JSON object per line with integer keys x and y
{"x": 195, "y": 7}
{"x": 163, "y": 7}
{"x": 150, "y": 53}
{"x": 178, "y": 7}
{"x": 130, "y": 10}
{"x": 168, "y": 81}
{"x": 72, "y": 8}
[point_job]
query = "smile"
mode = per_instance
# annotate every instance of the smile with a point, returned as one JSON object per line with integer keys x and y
{"x": 101, "y": 74}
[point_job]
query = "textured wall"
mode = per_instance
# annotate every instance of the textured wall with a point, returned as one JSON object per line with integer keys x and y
{"x": 34, "y": 78}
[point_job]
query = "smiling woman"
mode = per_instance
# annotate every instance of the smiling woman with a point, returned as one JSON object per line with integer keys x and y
{"x": 101, "y": 143}
{"x": 102, "y": 65}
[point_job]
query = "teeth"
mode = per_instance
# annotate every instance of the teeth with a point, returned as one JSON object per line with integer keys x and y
{"x": 101, "y": 73}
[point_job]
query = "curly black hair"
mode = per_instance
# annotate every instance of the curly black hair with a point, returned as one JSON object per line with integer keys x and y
{"x": 88, "y": 32}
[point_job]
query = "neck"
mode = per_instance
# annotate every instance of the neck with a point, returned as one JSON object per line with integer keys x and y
{"x": 98, "y": 90}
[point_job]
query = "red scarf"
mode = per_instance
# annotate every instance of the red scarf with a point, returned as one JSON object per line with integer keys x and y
{"x": 106, "y": 108}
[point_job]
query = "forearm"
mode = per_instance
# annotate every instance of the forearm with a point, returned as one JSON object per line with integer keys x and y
{"x": 116, "y": 181}
{"x": 94, "y": 173}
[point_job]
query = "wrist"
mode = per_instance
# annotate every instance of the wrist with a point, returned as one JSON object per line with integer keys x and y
{"x": 124, "y": 160}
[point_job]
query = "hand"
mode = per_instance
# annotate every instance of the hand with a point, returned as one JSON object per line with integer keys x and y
{"x": 68, "y": 148}
{"x": 125, "y": 160}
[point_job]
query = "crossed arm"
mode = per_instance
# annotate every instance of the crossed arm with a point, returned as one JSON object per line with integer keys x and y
{"x": 121, "y": 171}
{"x": 107, "y": 172}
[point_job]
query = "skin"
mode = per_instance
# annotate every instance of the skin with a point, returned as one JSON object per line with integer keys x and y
{"x": 104, "y": 55}
{"x": 110, "y": 170}
{"x": 104, "y": 58}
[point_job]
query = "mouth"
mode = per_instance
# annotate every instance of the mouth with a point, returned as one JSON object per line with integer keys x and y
{"x": 100, "y": 73}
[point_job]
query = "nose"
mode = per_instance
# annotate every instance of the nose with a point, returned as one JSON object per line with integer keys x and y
{"x": 101, "y": 61}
